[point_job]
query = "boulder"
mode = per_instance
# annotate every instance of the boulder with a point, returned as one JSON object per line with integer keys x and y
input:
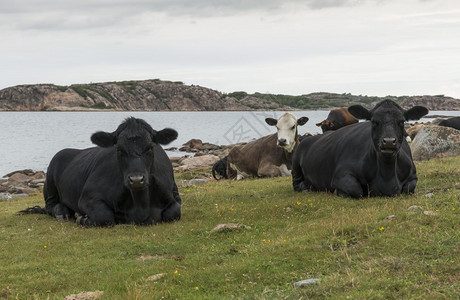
{"x": 198, "y": 162}
{"x": 192, "y": 145}
{"x": 435, "y": 141}
{"x": 19, "y": 177}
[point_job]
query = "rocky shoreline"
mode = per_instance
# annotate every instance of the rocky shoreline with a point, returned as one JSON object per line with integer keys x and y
{"x": 21, "y": 183}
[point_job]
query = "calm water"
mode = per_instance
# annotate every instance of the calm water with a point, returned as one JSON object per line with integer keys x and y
{"x": 30, "y": 139}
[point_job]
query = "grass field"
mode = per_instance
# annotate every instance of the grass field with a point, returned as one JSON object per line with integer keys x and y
{"x": 350, "y": 245}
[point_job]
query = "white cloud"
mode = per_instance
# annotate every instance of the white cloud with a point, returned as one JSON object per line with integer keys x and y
{"x": 364, "y": 47}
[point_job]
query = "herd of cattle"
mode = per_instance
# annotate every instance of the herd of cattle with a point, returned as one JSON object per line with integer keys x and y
{"x": 128, "y": 178}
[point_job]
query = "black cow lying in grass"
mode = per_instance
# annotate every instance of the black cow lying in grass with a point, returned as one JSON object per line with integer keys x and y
{"x": 451, "y": 122}
{"x": 368, "y": 158}
{"x": 127, "y": 179}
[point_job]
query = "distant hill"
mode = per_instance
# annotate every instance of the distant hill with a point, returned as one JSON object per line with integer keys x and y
{"x": 158, "y": 95}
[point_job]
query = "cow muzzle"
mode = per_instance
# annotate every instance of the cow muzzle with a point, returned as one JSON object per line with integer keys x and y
{"x": 282, "y": 142}
{"x": 388, "y": 147}
{"x": 137, "y": 182}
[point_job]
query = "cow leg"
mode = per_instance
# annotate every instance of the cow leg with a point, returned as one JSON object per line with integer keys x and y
{"x": 98, "y": 213}
{"x": 171, "y": 213}
{"x": 61, "y": 212}
{"x": 269, "y": 171}
{"x": 176, "y": 194}
{"x": 409, "y": 187}
{"x": 347, "y": 186}
{"x": 50, "y": 193}
{"x": 298, "y": 180}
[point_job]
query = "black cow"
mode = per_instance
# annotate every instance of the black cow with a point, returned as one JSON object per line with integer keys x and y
{"x": 451, "y": 122}
{"x": 363, "y": 159}
{"x": 127, "y": 179}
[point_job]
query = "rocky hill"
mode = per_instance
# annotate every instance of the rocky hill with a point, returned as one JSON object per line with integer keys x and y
{"x": 432, "y": 102}
{"x": 153, "y": 95}
{"x": 158, "y": 95}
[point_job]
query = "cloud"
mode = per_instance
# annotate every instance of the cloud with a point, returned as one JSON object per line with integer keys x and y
{"x": 71, "y": 15}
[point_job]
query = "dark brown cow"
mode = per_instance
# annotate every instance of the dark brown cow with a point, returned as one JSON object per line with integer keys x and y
{"x": 269, "y": 156}
{"x": 336, "y": 119}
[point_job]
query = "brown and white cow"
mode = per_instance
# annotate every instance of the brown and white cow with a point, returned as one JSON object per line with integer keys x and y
{"x": 269, "y": 156}
{"x": 337, "y": 118}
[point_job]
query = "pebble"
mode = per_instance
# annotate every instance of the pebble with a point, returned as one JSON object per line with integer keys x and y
{"x": 7, "y": 196}
{"x": 390, "y": 218}
{"x": 414, "y": 207}
{"x": 306, "y": 282}
{"x": 431, "y": 213}
{"x": 229, "y": 226}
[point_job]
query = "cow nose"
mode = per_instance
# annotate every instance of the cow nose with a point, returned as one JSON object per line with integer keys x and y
{"x": 389, "y": 142}
{"x": 282, "y": 142}
{"x": 137, "y": 181}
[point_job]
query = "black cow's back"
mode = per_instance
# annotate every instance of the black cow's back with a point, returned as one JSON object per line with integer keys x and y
{"x": 71, "y": 170}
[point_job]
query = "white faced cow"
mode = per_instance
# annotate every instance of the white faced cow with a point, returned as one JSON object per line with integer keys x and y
{"x": 269, "y": 156}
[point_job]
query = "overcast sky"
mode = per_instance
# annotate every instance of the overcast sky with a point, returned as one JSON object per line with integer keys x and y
{"x": 368, "y": 47}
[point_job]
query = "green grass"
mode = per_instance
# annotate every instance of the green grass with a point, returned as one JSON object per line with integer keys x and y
{"x": 348, "y": 244}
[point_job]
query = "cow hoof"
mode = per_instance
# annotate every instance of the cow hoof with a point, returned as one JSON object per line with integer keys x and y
{"x": 62, "y": 218}
{"x": 81, "y": 220}
{"x": 301, "y": 187}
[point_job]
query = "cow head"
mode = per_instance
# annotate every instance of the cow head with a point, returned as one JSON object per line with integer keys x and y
{"x": 387, "y": 120}
{"x": 326, "y": 125}
{"x": 134, "y": 141}
{"x": 286, "y": 127}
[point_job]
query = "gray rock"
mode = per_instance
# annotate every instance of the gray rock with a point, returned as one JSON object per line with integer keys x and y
{"x": 37, "y": 181}
{"x": 429, "y": 195}
{"x": 7, "y": 196}
{"x": 196, "y": 181}
{"x": 414, "y": 208}
{"x": 431, "y": 213}
{"x": 229, "y": 226}
{"x": 306, "y": 282}
{"x": 198, "y": 162}
{"x": 436, "y": 141}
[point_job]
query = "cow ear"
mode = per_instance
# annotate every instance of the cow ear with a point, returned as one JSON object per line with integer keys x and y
{"x": 165, "y": 136}
{"x": 104, "y": 139}
{"x": 302, "y": 121}
{"x": 271, "y": 121}
{"x": 415, "y": 113}
{"x": 360, "y": 112}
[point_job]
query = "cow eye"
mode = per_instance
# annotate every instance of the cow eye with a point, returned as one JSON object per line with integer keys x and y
{"x": 293, "y": 127}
